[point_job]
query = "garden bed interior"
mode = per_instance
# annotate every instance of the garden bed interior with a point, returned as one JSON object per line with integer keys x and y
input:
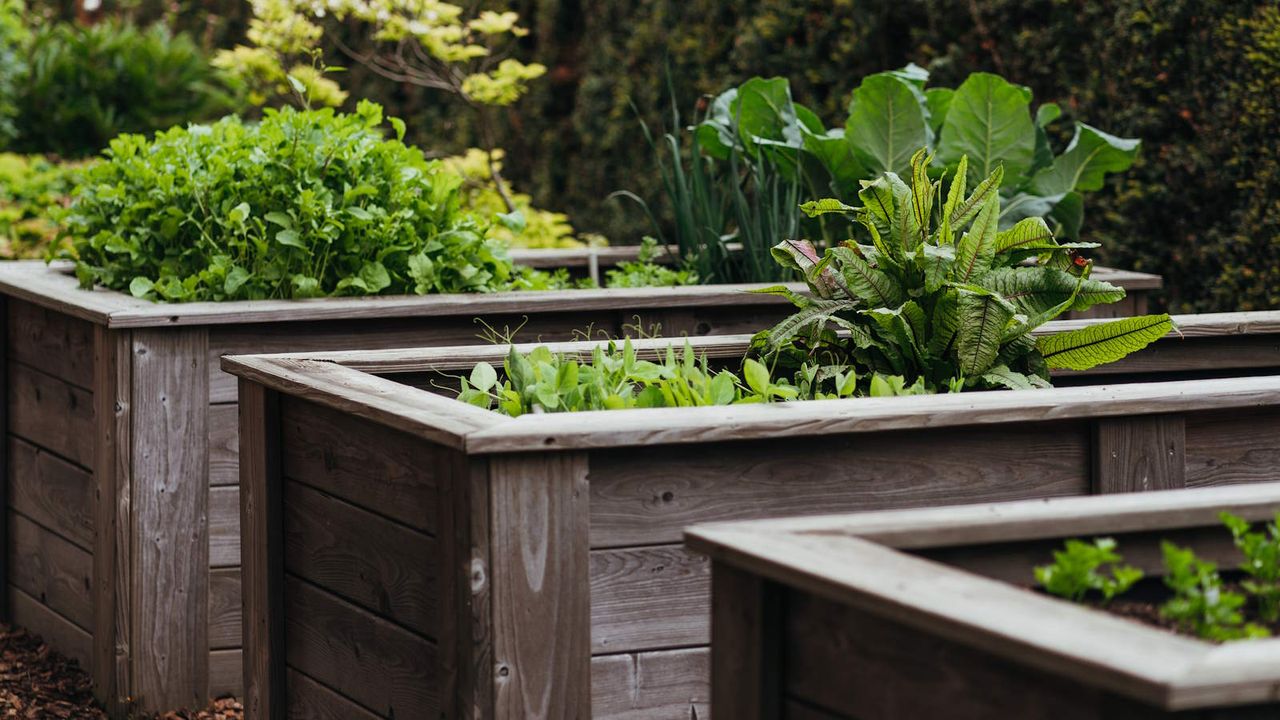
{"x": 407, "y": 554}
{"x": 928, "y": 614}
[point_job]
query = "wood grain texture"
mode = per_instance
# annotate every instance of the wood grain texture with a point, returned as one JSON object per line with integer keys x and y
{"x": 51, "y": 491}
{"x": 58, "y": 344}
{"x": 310, "y": 700}
{"x": 50, "y": 413}
{"x": 54, "y": 286}
{"x": 226, "y": 673}
{"x": 380, "y": 565}
{"x": 466, "y": 589}
{"x": 1136, "y": 454}
{"x": 224, "y": 526}
{"x": 670, "y": 684}
{"x": 224, "y": 445}
{"x": 541, "y": 605}
{"x": 1228, "y": 448}
{"x": 113, "y": 539}
{"x": 746, "y": 645}
{"x": 262, "y": 552}
{"x": 170, "y": 518}
{"x": 6, "y": 463}
{"x": 647, "y": 598}
{"x": 225, "y": 619}
{"x": 61, "y": 634}
{"x": 373, "y": 467}
{"x": 51, "y": 570}
{"x": 639, "y": 496}
{"x": 370, "y": 660}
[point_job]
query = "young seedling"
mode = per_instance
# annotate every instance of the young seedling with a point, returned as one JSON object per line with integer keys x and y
{"x": 1082, "y": 567}
{"x": 1262, "y": 562}
{"x": 1200, "y": 603}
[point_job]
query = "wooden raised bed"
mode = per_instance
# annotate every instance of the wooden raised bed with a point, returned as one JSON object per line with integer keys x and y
{"x": 407, "y": 555}
{"x": 925, "y": 614}
{"x": 120, "y": 456}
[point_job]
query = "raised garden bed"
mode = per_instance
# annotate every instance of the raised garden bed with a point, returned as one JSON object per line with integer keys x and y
{"x": 926, "y": 614}
{"x": 408, "y": 555}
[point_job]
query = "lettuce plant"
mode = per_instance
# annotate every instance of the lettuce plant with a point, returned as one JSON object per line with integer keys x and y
{"x": 1081, "y": 568}
{"x": 939, "y": 294}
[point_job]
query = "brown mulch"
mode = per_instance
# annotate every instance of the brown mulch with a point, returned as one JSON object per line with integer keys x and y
{"x": 37, "y": 682}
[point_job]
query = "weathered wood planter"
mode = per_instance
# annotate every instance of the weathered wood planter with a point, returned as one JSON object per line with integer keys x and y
{"x": 925, "y": 614}
{"x": 122, "y": 508}
{"x": 410, "y": 556}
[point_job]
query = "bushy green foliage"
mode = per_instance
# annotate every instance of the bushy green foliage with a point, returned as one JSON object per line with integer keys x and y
{"x": 302, "y": 204}
{"x": 85, "y": 85}
{"x": 13, "y": 40}
{"x": 1081, "y": 568}
{"x": 32, "y": 190}
{"x": 644, "y": 272}
{"x": 1200, "y": 603}
{"x": 1261, "y": 552}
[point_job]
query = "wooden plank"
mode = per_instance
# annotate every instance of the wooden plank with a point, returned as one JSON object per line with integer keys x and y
{"x": 60, "y": 633}
{"x": 54, "y": 286}
{"x": 170, "y": 518}
{"x": 640, "y": 496}
{"x": 363, "y": 558}
{"x": 387, "y": 472}
{"x": 226, "y": 673}
{"x": 6, "y": 462}
{"x": 113, "y": 522}
{"x": 224, "y": 445}
{"x": 650, "y": 597}
{"x": 57, "y": 344}
{"x": 746, "y": 644}
{"x": 1228, "y": 448}
{"x": 541, "y": 605}
{"x": 795, "y": 709}
{"x": 310, "y": 700}
{"x": 51, "y": 414}
{"x": 645, "y": 686}
{"x": 368, "y": 659}
{"x": 225, "y": 619}
{"x": 465, "y": 599}
{"x": 51, "y": 491}
{"x": 1136, "y": 454}
{"x": 224, "y": 526}
{"x": 51, "y": 569}
{"x": 262, "y": 552}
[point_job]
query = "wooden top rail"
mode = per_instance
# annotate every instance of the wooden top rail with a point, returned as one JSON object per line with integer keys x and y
{"x": 856, "y": 559}
{"x": 53, "y": 286}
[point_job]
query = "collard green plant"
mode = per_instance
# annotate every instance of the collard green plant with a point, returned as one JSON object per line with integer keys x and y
{"x": 1081, "y": 568}
{"x": 1200, "y": 603}
{"x": 1261, "y": 562}
{"x": 301, "y": 204}
{"x": 939, "y": 294}
{"x": 86, "y": 85}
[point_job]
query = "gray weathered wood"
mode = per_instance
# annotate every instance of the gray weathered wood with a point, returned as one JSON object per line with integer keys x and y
{"x": 262, "y": 552}
{"x": 51, "y": 414}
{"x": 225, "y": 618}
{"x": 224, "y": 526}
{"x": 649, "y": 597}
{"x": 646, "y": 686}
{"x": 52, "y": 570}
{"x": 309, "y": 700}
{"x": 113, "y": 540}
{"x": 1134, "y": 454}
{"x": 56, "y": 630}
{"x": 746, "y": 646}
{"x": 57, "y": 344}
{"x": 51, "y": 491}
{"x": 1222, "y": 450}
{"x": 226, "y": 673}
{"x": 224, "y": 445}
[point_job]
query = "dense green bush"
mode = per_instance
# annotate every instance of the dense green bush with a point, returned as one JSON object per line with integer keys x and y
{"x": 33, "y": 188}
{"x": 12, "y": 40}
{"x": 302, "y": 204}
{"x": 85, "y": 85}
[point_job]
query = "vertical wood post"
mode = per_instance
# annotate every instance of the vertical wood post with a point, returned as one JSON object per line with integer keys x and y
{"x": 112, "y": 385}
{"x": 4, "y": 457}
{"x": 746, "y": 653}
{"x": 466, "y": 650}
{"x": 170, "y": 489}
{"x": 1139, "y": 453}
{"x": 261, "y": 552}
{"x": 540, "y": 597}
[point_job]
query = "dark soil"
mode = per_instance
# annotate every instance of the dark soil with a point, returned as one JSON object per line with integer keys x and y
{"x": 37, "y": 682}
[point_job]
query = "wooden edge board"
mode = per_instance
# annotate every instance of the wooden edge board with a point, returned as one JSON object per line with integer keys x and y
{"x": 386, "y": 402}
{"x": 52, "y": 287}
{"x": 464, "y": 356}
{"x": 994, "y": 616}
{"x": 1128, "y": 279}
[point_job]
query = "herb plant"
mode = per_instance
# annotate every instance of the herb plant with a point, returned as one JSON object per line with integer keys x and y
{"x": 1261, "y": 563}
{"x": 1081, "y": 568}
{"x": 938, "y": 294}
{"x": 644, "y": 272}
{"x": 1200, "y": 603}
{"x": 301, "y": 204}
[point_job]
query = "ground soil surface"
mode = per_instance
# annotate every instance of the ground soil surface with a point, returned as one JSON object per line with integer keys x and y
{"x": 37, "y": 683}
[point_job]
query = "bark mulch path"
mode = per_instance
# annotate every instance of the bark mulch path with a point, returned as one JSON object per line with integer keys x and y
{"x": 37, "y": 682}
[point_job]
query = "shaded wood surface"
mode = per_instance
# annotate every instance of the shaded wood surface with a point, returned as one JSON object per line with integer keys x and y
{"x": 670, "y": 684}
{"x": 224, "y": 445}
{"x": 50, "y": 413}
{"x": 224, "y": 527}
{"x": 1223, "y": 448}
{"x": 51, "y": 491}
{"x": 225, "y": 617}
{"x": 52, "y": 570}
{"x": 56, "y": 343}
{"x": 226, "y": 673}
{"x": 650, "y": 597}
{"x": 1135, "y": 454}
{"x": 262, "y": 552}
{"x": 746, "y": 649}
{"x": 57, "y": 631}
{"x": 113, "y": 540}
{"x": 310, "y": 700}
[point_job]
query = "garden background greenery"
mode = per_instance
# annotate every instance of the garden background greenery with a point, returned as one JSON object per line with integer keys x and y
{"x": 1194, "y": 79}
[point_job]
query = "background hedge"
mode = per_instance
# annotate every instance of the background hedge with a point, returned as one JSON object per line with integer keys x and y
{"x": 1197, "y": 80}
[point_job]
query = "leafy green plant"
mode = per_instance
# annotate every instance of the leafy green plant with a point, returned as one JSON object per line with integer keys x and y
{"x": 940, "y": 295}
{"x": 1261, "y": 562}
{"x": 13, "y": 39}
{"x": 86, "y": 85}
{"x": 1082, "y": 567}
{"x": 644, "y": 272}
{"x": 301, "y": 204}
{"x": 33, "y": 188}
{"x": 615, "y": 378}
{"x": 1200, "y": 603}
